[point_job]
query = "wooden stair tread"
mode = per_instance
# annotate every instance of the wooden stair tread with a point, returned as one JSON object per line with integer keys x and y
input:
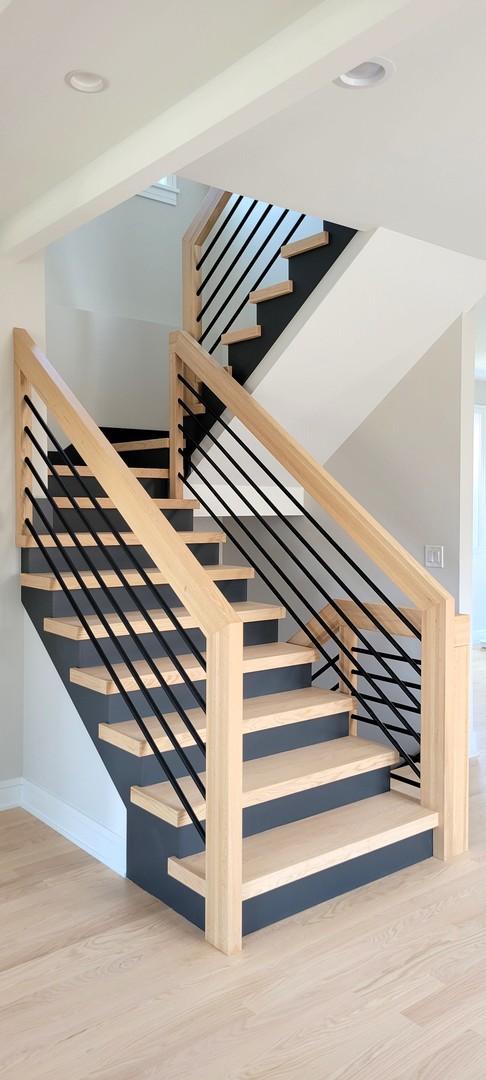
{"x": 246, "y": 334}
{"x": 308, "y": 243}
{"x": 271, "y": 292}
{"x": 292, "y": 852}
{"x": 142, "y": 444}
{"x": 69, "y": 626}
{"x": 48, "y": 582}
{"x": 141, "y": 473}
{"x": 109, "y": 540}
{"x": 259, "y": 714}
{"x": 84, "y": 503}
{"x": 274, "y": 777}
{"x": 255, "y": 658}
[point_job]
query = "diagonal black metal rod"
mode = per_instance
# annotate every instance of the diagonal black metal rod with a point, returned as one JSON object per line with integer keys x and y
{"x": 315, "y": 641}
{"x": 404, "y": 686}
{"x": 317, "y": 615}
{"x": 217, "y": 235}
{"x": 387, "y": 656}
{"x": 126, "y": 697}
{"x": 230, "y": 269}
{"x": 326, "y": 535}
{"x": 119, "y": 611}
{"x": 386, "y": 678}
{"x": 377, "y": 701}
{"x": 388, "y": 727}
{"x": 99, "y": 648}
{"x": 259, "y": 280}
{"x": 118, "y": 537}
{"x": 227, "y": 247}
{"x": 131, "y": 592}
{"x": 322, "y": 670}
{"x": 403, "y": 779}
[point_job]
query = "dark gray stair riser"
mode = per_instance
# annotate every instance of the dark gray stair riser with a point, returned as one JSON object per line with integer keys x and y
{"x": 158, "y": 489}
{"x": 180, "y": 519}
{"x": 60, "y": 604}
{"x": 33, "y": 559}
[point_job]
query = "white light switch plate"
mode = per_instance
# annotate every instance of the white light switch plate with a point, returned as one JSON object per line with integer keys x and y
{"x": 434, "y": 556}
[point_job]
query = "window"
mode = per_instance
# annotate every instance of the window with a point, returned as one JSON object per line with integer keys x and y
{"x": 163, "y": 190}
{"x": 479, "y": 519}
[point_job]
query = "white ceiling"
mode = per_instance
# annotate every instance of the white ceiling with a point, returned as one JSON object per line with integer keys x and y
{"x": 409, "y": 154}
{"x": 153, "y": 52}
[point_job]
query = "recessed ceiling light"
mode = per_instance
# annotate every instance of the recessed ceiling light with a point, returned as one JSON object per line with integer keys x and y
{"x": 86, "y": 82}
{"x": 369, "y": 73}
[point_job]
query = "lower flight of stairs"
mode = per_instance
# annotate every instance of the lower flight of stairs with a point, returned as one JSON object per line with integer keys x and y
{"x": 319, "y": 817}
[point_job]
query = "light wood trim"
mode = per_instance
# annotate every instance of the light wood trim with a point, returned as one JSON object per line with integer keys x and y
{"x": 349, "y": 639}
{"x": 266, "y": 657}
{"x": 185, "y": 574}
{"x": 84, "y": 503}
{"x": 142, "y": 444}
{"x": 292, "y": 852}
{"x": 308, "y": 243}
{"x": 274, "y": 777}
{"x": 245, "y": 333}
{"x": 271, "y": 292}
{"x": 109, "y": 540}
{"x": 259, "y": 714}
{"x": 140, "y": 472}
{"x": 46, "y": 581}
{"x": 69, "y": 626}
{"x": 176, "y": 368}
{"x": 23, "y": 447}
{"x": 224, "y": 787}
{"x": 387, "y": 618}
{"x": 381, "y": 547}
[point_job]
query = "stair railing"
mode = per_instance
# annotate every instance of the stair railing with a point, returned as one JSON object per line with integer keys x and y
{"x": 219, "y": 254}
{"x": 36, "y": 378}
{"x": 361, "y": 641}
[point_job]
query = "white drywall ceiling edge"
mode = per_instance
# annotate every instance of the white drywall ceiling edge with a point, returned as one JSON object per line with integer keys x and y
{"x": 284, "y": 69}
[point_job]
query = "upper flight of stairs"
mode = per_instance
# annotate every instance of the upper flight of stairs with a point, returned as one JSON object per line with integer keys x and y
{"x": 319, "y": 816}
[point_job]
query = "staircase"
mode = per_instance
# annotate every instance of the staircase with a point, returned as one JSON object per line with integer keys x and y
{"x": 256, "y": 784}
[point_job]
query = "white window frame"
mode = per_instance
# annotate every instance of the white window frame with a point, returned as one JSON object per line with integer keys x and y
{"x": 164, "y": 190}
{"x": 479, "y": 490}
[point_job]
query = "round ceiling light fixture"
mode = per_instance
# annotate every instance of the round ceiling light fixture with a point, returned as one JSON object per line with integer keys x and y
{"x": 369, "y": 73}
{"x": 86, "y": 82}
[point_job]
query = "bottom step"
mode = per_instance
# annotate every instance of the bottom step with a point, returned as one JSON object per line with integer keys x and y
{"x": 292, "y": 852}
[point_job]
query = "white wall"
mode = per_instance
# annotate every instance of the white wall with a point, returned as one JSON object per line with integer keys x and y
{"x": 22, "y": 304}
{"x": 113, "y": 294}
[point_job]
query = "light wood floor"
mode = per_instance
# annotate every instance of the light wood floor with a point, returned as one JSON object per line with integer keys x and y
{"x": 98, "y": 980}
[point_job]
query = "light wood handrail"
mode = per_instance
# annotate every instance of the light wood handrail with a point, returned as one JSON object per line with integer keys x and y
{"x": 445, "y": 637}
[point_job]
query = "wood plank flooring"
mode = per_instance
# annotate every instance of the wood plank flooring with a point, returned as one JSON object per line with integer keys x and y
{"x": 98, "y": 980}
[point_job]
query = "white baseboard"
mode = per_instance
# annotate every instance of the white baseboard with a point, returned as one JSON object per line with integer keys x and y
{"x": 106, "y": 846}
{"x": 10, "y": 793}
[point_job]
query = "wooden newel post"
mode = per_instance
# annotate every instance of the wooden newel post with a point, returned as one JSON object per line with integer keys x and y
{"x": 445, "y": 726}
{"x": 23, "y": 476}
{"x": 224, "y": 788}
{"x": 349, "y": 639}
{"x": 176, "y": 464}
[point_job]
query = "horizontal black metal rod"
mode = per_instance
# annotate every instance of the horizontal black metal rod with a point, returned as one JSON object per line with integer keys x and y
{"x": 217, "y": 235}
{"x": 387, "y": 679}
{"x": 388, "y": 656}
{"x": 118, "y": 609}
{"x": 324, "y": 533}
{"x": 404, "y": 687}
{"x": 389, "y": 727}
{"x": 119, "y": 538}
{"x": 227, "y": 246}
{"x": 317, "y": 615}
{"x": 299, "y": 621}
{"x": 322, "y": 670}
{"x": 117, "y": 681}
{"x": 399, "y": 704}
{"x": 259, "y": 280}
{"x": 245, "y": 273}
